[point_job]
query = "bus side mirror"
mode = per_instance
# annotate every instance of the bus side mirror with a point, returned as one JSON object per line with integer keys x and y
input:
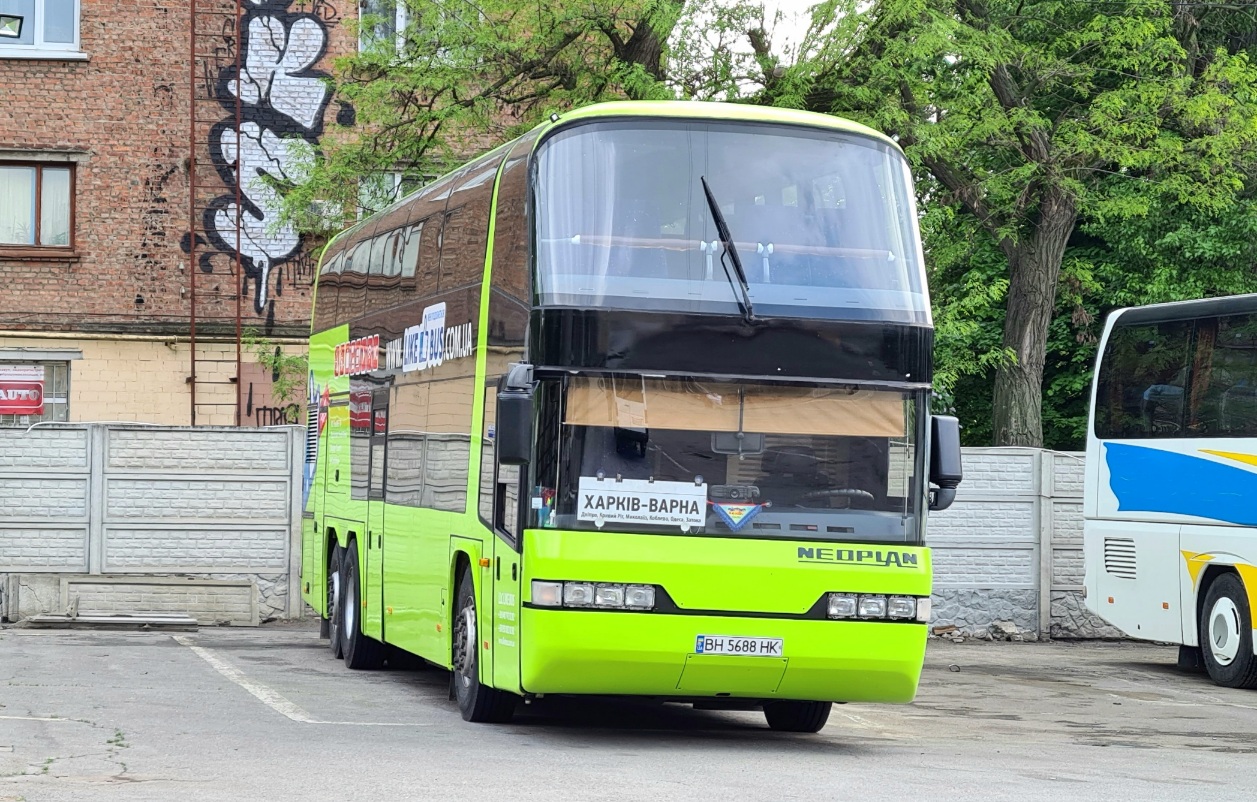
{"x": 945, "y": 470}
{"x": 514, "y": 430}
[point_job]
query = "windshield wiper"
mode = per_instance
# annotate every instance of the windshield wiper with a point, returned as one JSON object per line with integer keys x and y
{"x": 722, "y": 228}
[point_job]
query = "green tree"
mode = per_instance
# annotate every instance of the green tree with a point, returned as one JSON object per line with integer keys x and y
{"x": 459, "y": 78}
{"x": 1028, "y": 117}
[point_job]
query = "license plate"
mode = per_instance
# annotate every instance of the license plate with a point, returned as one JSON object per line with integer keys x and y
{"x": 736, "y": 644}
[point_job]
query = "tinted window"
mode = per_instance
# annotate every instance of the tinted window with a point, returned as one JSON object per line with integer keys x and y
{"x": 1224, "y": 378}
{"x": 1143, "y": 381}
{"x": 376, "y": 267}
{"x": 410, "y": 250}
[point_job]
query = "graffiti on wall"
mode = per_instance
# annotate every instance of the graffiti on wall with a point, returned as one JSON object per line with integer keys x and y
{"x": 282, "y": 97}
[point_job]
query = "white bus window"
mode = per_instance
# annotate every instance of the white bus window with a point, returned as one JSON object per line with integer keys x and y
{"x": 1143, "y": 381}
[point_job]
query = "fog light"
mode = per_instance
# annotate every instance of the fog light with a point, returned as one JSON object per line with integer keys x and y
{"x": 639, "y": 597}
{"x": 578, "y": 594}
{"x": 872, "y": 606}
{"x": 609, "y": 596}
{"x": 547, "y": 594}
{"x": 900, "y": 607}
{"x": 923, "y": 610}
{"x": 842, "y": 605}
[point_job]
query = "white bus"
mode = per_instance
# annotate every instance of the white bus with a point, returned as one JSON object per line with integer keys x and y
{"x": 1170, "y": 504}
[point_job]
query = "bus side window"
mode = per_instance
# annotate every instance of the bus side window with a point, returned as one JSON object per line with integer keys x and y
{"x": 408, "y": 250}
{"x": 1224, "y": 377}
{"x": 1142, "y": 382}
{"x": 510, "y": 234}
{"x": 465, "y": 239}
{"x": 327, "y": 291}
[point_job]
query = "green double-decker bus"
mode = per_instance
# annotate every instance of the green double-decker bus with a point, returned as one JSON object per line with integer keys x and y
{"x": 636, "y": 404}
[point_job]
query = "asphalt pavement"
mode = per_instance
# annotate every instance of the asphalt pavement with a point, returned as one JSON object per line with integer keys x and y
{"x": 238, "y": 714}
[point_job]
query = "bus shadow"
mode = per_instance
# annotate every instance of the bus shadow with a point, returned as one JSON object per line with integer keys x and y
{"x": 587, "y": 720}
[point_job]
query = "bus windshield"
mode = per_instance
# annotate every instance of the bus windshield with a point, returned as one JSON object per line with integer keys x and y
{"x": 647, "y": 455}
{"x": 824, "y": 221}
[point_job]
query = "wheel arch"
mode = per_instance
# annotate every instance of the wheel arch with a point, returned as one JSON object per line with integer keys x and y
{"x": 1210, "y": 575}
{"x": 461, "y": 561}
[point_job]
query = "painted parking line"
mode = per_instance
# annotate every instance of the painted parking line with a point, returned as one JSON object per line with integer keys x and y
{"x": 271, "y": 697}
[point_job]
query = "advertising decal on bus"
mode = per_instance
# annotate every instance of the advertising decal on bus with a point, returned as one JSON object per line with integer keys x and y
{"x": 429, "y": 344}
{"x": 358, "y": 356}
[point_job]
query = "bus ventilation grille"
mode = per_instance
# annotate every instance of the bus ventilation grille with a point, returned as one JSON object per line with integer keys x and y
{"x": 1119, "y": 557}
{"x": 312, "y": 433}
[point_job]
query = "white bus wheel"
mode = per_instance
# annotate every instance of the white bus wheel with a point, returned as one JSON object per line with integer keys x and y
{"x": 1226, "y": 634}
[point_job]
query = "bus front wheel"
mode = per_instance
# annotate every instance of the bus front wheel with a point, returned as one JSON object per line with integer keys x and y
{"x": 1226, "y": 634}
{"x": 476, "y": 701}
{"x": 797, "y": 716}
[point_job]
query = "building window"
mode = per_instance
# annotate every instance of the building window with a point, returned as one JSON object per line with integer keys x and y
{"x": 47, "y": 25}
{"x": 31, "y": 392}
{"x": 36, "y": 205}
{"x": 381, "y": 24}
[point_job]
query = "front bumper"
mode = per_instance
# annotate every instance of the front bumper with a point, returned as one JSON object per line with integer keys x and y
{"x": 652, "y": 654}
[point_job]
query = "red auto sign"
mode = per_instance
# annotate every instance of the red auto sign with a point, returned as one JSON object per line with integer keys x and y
{"x": 21, "y": 398}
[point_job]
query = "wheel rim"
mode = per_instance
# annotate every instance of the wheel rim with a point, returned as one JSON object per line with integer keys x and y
{"x": 465, "y": 646}
{"x": 1224, "y": 631}
{"x": 351, "y": 607}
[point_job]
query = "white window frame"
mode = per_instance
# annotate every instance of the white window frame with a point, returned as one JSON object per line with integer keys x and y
{"x": 39, "y": 49}
{"x": 400, "y": 19}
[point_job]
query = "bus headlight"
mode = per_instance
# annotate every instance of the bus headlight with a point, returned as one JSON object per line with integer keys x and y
{"x": 842, "y": 605}
{"x": 609, "y": 596}
{"x": 640, "y": 597}
{"x": 578, "y": 594}
{"x": 604, "y": 595}
{"x": 547, "y": 594}
{"x": 901, "y": 607}
{"x": 872, "y": 606}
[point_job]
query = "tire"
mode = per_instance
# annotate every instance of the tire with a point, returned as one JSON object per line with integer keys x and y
{"x": 797, "y": 716}
{"x": 1226, "y": 634}
{"x": 359, "y": 650}
{"x": 477, "y": 702}
{"x": 334, "y": 601}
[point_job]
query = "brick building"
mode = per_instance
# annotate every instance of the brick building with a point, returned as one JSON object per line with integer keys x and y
{"x": 130, "y": 243}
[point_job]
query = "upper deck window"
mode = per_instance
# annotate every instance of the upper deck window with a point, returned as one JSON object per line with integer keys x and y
{"x": 824, "y": 222}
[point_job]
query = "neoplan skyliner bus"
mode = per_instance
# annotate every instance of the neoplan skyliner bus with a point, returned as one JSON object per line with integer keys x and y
{"x": 636, "y": 404}
{"x": 1170, "y": 503}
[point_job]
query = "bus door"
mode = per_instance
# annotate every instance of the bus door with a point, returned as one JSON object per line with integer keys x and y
{"x": 506, "y": 570}
{"x": 372, "y": 580}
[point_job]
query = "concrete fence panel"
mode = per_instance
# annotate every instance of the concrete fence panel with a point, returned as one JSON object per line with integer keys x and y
{"x": 158, "y": 519}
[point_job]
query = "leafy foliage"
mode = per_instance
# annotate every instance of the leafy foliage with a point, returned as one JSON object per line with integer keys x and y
{"x": 1071, "y": 156}
{"x": 288, "y": 371}
{"x": 1029, "y": 119}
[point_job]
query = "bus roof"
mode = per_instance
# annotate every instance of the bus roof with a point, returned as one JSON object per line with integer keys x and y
{"x": 1188, "y": 310}
{"x": 711, "y": 110}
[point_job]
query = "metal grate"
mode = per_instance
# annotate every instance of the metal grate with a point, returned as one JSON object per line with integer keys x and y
{"x": 1119, "y": 557}
{"x": 312, "y": 432}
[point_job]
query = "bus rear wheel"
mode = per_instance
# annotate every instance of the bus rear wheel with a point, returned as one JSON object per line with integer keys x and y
{"x": 476, "y": 701}
{"x": 334, "y": 600}
{"x": 1226, "y": 634}
{"x": 360, "y": 651}
{"x": 797, "y": 716}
